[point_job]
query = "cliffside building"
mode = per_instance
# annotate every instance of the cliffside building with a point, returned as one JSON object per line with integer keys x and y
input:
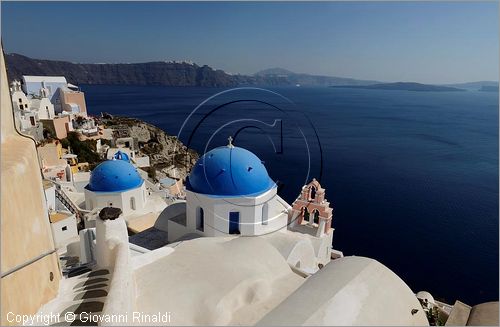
{"x": 26, "y": 118}
{"x": 50, "y": 102}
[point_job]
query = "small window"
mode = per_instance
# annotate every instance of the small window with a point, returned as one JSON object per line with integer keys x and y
{"x": 132, "y": 203}
{"x": 110, "y": 204}
{"x": 200, "y": 219}
{"x": 64, "y": 228}
{"x": 265, "y": 213}
{"x": 20, "y": 100}
{"x": 234, "y": 222}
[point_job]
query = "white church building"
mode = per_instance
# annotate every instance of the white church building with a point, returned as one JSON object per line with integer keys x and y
{"x": 229, "y": 193}
{"x": 115, "y": 183}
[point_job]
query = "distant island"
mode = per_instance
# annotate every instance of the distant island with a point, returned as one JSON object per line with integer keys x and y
{"x": 474, "y": 86}
{"x": 308, "y": 79}
{"x": 404, "y": 86}
{"x": 489, "y": 88}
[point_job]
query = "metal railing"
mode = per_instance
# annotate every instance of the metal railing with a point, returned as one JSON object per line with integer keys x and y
{"x": 70, "y": 205}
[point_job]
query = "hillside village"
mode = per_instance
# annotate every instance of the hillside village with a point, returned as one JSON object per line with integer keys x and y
{"x": 71, "y": 143}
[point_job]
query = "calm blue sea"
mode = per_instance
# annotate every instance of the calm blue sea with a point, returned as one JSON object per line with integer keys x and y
{"x": 412, "y": 176}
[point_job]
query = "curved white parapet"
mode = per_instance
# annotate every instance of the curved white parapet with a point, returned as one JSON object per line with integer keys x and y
{"x": 350, "y": 291}
{"x": 113, "y": 252}
{"x": 296, "y": 248}
{"x": 121, "y": 293}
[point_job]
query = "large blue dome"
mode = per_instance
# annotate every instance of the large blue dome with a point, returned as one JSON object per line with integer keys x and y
{"x": 229, "y": 171}
{"x": 114, "y": 176}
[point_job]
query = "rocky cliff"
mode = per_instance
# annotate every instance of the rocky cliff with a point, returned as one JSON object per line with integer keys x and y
{"x": 149, "y": 73}
{"x": 169, "y": 157}
{"x": 163, "y": 73}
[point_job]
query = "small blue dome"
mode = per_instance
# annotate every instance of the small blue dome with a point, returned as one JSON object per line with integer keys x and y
{"x": 121, "y": 156}
{"x": 114, "y": 176}
{"x": 229, "y": 171}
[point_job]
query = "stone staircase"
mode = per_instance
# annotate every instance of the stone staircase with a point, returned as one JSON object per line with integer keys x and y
{"x": 81, "y": 298}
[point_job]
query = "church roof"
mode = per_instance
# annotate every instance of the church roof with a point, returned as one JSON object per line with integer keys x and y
{"x": 114, "y": 176}
{"x": 229, "y": 171}
{"x": 49, "y": 79}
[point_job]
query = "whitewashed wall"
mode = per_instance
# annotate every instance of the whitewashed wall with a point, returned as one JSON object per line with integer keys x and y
{"x": 116, "y": 199}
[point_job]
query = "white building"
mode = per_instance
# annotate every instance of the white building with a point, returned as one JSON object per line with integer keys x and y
{"x": 19, "y": 99}
{"x": 26, "y": 119}
{"x": 33, "y": 84}
{"x": 116, "y": 183}
{"x": 85, "y": 125}
{"x": 43, "y": 107}
{"x": 230, "y": 192}
{"x": 63, "y": 223}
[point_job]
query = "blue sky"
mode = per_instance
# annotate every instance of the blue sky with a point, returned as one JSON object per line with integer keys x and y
{"x": 428, "y": 42}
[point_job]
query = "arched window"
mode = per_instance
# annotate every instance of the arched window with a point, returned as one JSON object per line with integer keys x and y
{"x": 265, "y": 213}
{"x": 316, "y": 217}
{"x": 132, "y": 203}
{"x": 313, "y": 192}
{"x": 200, "y": 219}
{"x": 305, "y": 214}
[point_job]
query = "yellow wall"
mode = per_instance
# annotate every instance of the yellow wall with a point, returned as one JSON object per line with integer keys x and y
{"x": 50, "y": 154}
{"x": 74, "y": 169}
{"x": 24, "y": 222}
